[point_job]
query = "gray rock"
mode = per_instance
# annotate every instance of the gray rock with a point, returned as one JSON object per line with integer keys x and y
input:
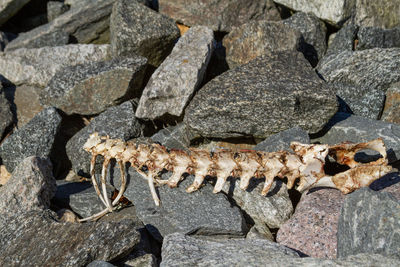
{"x": 100, "y": 264}
{"x": 117, "y": 122}
{"x": 266, "y": 96}
{"x": 282, "y": 140}
{"x": 87, "y": 24}
{"x": 6, "y": 116}
{"x": 258, "y": 38}
{"x": 30, "y": 187}
{"x": 173, "y": 137}
{"x": 174, "y": 82}
{"x": 371, "y": 37}
{"x": 382, "y": 14}
{"x": 314, "y": 33}
{"x": 147, "y": 260}
{"x": 346, "y": 127}
{"x": 91, "y": 88}
{"x": 37, "y": 66}
{"x": 154, "y": 33}
{"x": 9, "y": 8}
{"x": 344, "y": 40}
{"x": 219, "y": 15}
{"x": 369, "y": 223}
{"x": 36, "y": 138}
{"x": 199, "y": 213}
{"x": 54, "y": 38}
{"x": 334, "y": 12}
{"x": 391, "y": 111}
{"x": 357, "y": 79}
{"x": 55, "y": 9}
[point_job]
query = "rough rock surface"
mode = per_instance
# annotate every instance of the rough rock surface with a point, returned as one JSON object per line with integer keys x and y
{"x": 37, "y": 66}
{"x": 344, "y": 40}
{"x": 369, "y": 223}
{"x": 282, "y": 140}
{"x": 154, "y": 33}
{"x": 266, "y": 96}
{"x": 391, "y": 111}
{"x": 91, "y": 88}
{"x": 174, "y": 82}
{"x": 173, "y": 137}
{"x": 346, "y": 127}
{"x": 335, "y": 12}
{"x": 55, "y": 9}
{"x": 257, "y": 38}
{"x": 382, "y": 14}
{"x": 34, "y": 139}
{"x": 9, "y": 7}
{"x": 357, "y": 79}
{"x": 312, "y": 228}
{"x": 371, "y": 37}
{"x": 116, "y": 122}
{"x": 6, "y": 116}
{"x": 200, "y": 213}
{"x": 83, "y": 25}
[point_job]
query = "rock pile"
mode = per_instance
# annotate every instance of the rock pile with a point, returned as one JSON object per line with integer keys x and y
{"x": 245, "y": 75}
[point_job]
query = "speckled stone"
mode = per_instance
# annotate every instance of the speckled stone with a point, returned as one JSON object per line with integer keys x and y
{"x": 312, "y": 228}
{"x": 265, "y": 96}
{"x": 371, "y": 37}
{"x": 174, "y": 82}
{"x": 6, "y": 116}
{"x": 382, "y": 14}
{"x": 155, "y": 34}
{"x": 391, "y": 111}
{"x": 282, "y": 140}
{"x": 343, "y": 40}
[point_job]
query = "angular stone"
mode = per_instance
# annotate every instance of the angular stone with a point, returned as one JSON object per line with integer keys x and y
{"x": 358, "y": 81}
{"x": 86, "y": 24}
{"x": 9, "y": 8}
{"x": 36, "y": 138}
{"x": 154, "y": 33}
{"x": 37, "y": 66}
{"x": 30, "y": 187}
{"x": 91, "y": 88}
{"x": 100, "y": 264}
{"x": 6, "y": 116}
{"x": 371, "y": 37}
{"x": 266, "y": 96}
{"x": 391, "y": 111}
{"x": 312, "y": 228}
{"x": 55, "y": 9}
{"x": 258, "y": 38}
{"x": 345, "y": 127}
{"x": 335, "y": 12}
{"x": 117, "y": 122}
{"x": 199, "y": 213}
{"x": 173, "y": 137}
{"x": 219, "y": 15}
{"x": 147, "y": 260}
{"x": 382, "y": 14}
{"x": 344, "y": 40}
{"x": 177, "y": 78}
{"x": 369, "y": 223}
{"x": 314, "y": 33}
{"x": 282, "y": 140}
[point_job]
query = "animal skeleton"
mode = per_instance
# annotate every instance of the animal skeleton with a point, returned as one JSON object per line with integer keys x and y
{"x": 306, "y": 163}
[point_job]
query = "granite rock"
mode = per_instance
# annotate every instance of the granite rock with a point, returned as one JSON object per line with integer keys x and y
{"x": 154, "y": 33}
{"x": 372, "y": 37}
{"x": 9, "y": 8}
{"x": 358, "y": 81}
{"x": 6, "y": 116}
{"x": 282, "y": 140}
{"x": 382, "y": 14}
{"x": 36, "y": 138}
{"x": 100, "y": 264}
{"x": 91, "y": 88}
{"x": 344, "y": 40}
{"x": 391, "y": 111}
{"x": 174, "y": 82}
{"x": 257, "y": 38}
{"x": 87, "y": 24}
{"x": 117, "y": 122}
{"x": 369, "y": 223}
{"x": 219, "y": 15}
{"x": 176, "y": 136}
{"x": 268, "y": 95}
{"x": 37, "y": 66}
{"x": 55, "y": 9}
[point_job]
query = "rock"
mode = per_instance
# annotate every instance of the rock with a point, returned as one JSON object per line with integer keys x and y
{"x": 372, "y": 37}
{"x": 258, "y": 38}
{"x": 37, "y": 66}
{"x": 100, "y": 264}
{"x": 9, "y": 8}
{"x": 154, "y": 33}
{"x": 344, "y": 40}
{"x": 91, "y": 88}
{"x": 174, "y": 82}
{"x": 55, "y": 9}
{"x": 369, "y": 223}
{"x": 346, "y": 127}
{"x": 6, "y": 116}
{"x": 87, "y": 24}
{"x": 256, "y": 233}
{"x": 147, "y": 260}
{"x": 266, "y": 96}
{"x": 358, "y": 81}
{"x": 388, "y": 183}
{"x": 117, "y": 122}
{"x": 173, "y": 137}
{"x": 282, "y": 140}
{"x": 391, "y": 111}
{"x": 5, "y": 38}
{"x": 219, "y": 15}
{"x": 36, "y": 138}
{"x": 312, "y": 228}
{"x": 314, "y": 33}
{"x": 198, "y": 213}
{"x": 382, "y": 14}
{"x": 335, "y": 12}
{"x": 30, "y": 187}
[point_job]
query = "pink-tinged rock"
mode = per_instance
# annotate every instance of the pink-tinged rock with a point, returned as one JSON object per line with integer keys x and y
{"x": 312, "y": 228}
